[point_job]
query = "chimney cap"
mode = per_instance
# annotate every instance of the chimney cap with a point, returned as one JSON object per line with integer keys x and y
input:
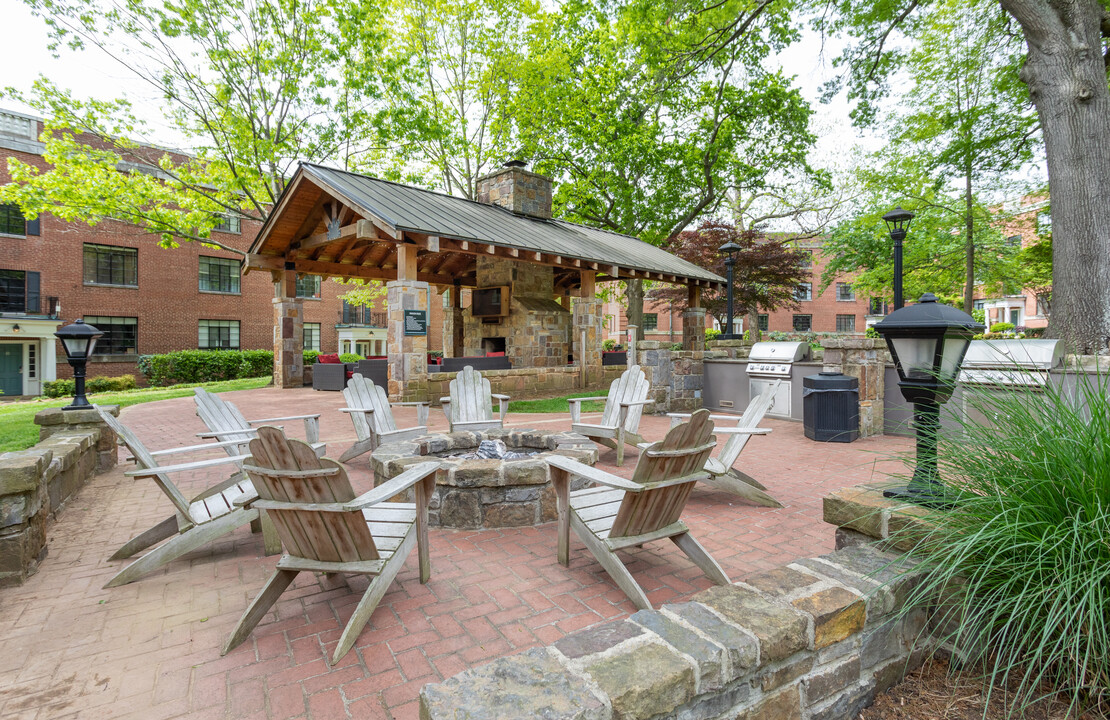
{"x": 516, "y": 163}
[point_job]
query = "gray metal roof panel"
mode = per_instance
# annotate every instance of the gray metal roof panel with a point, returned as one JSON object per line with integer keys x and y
{"x": 425, "y": 211}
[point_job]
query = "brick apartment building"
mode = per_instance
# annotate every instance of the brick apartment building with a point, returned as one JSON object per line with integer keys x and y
{"x": 1023, "y": 224}
{"x": 837, "y": 309}
{"x": 145, "y": 298}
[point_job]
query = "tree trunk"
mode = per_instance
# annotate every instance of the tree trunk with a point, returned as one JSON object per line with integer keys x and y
{"x": 969, "y": 278}
{"x": 1066, "y": 76}
{"x": 753, "y": 326}
{"x": 635, "y": 311}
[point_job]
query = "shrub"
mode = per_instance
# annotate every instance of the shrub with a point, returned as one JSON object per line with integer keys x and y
{"x": 99, "y": 384}
{"x": 310, "y": 356}
{"x": 1034, "y": 332}
{"x": 979, "y": 315}
{"x": 1001, "y": 327}
{"x": 350, "y": 358}
{"x": 608, "y": 345}
{"x": 197, "y": 366}
{"x": 871, "y": 332}
{"x": 712, "y": 334}
{"x": 1022, "y": 553}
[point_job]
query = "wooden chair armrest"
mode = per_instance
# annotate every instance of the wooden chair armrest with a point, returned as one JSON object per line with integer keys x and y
{"x": 162, "y": 469}
{"x": 592, "y": 474}
{"x": 444, "y": 400}
{"x": 195, "y": 448}
{"x": 687, "y": 416}
{"x": 742, "y": 431}
{"x": 291, "y": 417}
{"x": 499, "y": 396}
{"x": 356, "y": 410}
{"x": 413, "y": 403}
{"x": 221, "y": 433}
{"x": 399, "y": 484}
{"x": 630, "y": 403}
{"x": 585, "y": 399}
{"x": 245, "y": 499}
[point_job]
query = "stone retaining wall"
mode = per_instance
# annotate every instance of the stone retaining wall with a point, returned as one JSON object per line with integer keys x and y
{"x": 816, "y": 639}
{"x": 524, "y": 382}
{"x": 676, "y": 376}
{"x": 36, "y": 483}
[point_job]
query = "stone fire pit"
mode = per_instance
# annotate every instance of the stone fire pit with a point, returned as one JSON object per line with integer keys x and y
{"x": 487, "y": 493}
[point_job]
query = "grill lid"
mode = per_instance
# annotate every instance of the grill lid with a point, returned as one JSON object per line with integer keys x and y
{"x": 780, "y": 352}
{"x": 1014, "y": 354}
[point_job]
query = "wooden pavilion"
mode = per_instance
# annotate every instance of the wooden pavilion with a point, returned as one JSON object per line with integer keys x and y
{"x": 345, "y": 225}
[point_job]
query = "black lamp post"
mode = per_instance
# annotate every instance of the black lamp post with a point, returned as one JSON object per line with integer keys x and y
{"x": 928, "y": 342}
{"x": 79, "y": 341}
{"x": 898, "y": 223}
{"x": 730, "y": 249}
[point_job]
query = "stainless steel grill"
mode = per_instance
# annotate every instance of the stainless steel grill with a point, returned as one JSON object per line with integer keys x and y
{"x": 1010, "y": 363}
{"x": 772, "y": 361}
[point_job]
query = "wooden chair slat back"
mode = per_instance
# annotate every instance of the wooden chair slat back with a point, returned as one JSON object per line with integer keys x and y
{"x": 145, "y": 460}
{"x": 361, "y": 392}
{"x": 470, "y": 397}
{"x": 753, "y": 415}
{"x": 631, "y": 386}
{"x": 310, "y": 534}
{"x": 218, "y": 414}
{"x": 650, "y": 510}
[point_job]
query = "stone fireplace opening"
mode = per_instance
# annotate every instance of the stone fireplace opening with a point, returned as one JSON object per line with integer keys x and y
{"x": 493, "y": 344}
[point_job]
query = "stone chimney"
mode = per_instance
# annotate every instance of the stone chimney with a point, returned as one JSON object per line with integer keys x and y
{"x": 514, "y": 188}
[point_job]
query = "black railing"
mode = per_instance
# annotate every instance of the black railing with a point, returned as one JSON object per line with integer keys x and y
{"x": 357, "y": 315}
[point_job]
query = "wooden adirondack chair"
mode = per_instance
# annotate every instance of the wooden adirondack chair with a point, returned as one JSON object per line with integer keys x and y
{"x": 372, "y": 415}
{"x": 225, "y": 422}
{"x": 722, "y": 474}
{"x": 622, "y": 513}
{"x": 325, "y": 528}
{"x": 196, "y": 522}
{"x": 620, "y": 421}
{"x": 470, "y": 405}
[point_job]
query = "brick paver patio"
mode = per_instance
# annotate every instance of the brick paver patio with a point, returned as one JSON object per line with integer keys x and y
{"x": 150, "y": 650}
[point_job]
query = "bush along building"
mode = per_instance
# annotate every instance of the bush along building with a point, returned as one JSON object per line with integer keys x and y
{"x": 146, "y": 299}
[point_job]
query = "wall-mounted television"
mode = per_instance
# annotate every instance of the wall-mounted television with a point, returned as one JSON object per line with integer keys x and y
{"x": 490, "y": 301}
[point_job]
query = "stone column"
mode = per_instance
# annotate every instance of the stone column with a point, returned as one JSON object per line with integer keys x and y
{"x": 408, "y": 354}
{"x": 863, "y": 358}
{"x": 693, "y": 321}
{"x": 587, "y": 318}
{"x": 288, "y": 331}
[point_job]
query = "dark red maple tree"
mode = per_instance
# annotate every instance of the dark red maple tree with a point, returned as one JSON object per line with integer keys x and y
{"x": 766, "y": 275}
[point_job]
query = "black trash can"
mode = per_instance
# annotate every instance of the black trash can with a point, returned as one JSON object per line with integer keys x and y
{"x": 830, "y": 407}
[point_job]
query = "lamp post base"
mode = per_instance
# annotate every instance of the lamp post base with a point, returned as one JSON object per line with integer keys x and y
{"x": 931, "y": 496}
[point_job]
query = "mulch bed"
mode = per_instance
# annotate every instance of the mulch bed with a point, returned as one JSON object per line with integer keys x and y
{"x": 931, "y": 693}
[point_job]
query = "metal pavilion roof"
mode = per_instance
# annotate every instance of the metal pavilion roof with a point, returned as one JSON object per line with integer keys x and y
{"x": 405, "y": 209}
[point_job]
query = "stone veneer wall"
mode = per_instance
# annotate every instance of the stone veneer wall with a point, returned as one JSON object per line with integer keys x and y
{"x": 525, "y": 382}
{"x": 676, "y": 376}
{"x": 866, "y": 359}
{"x": 35, "y": 483}
{"x": 816, "y": 639}
{"x": 537, "y": 329}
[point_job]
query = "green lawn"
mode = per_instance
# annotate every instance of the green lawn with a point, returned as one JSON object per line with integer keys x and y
{"x": 18, "y": 430}
{"x": 556, "y": 405}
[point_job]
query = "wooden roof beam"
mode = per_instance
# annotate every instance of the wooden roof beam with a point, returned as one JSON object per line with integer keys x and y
{"x": 360, "y": 229}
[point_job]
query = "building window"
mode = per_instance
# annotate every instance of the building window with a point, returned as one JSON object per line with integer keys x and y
{"x": 804, "y": 292}
{"x": 876, "y": 306}
{"x": 108, "y": 265}
{"x": 312, "y": 336}
{"x": 807, "y": 259}
{"x": 845, "y": 323}
{"x": 219, "y": 335}
{"x": 19, "y": 291}
{"x": 32, "y": 362}
{"x": 803, "y": 323}
{"x": 11, "y": 221}
{"x": 228, "y": 224}
{"x": 120, "y": 334}
{"x": 308, "y": 286}
{"x": 220, "y": 275}
{"x": 1044, "y": 223}
{"x": 844, "y": 292}
{"x": 1014, "y": 241}
{"x": 764, "y": 321}
{"x": 651, "y": 322}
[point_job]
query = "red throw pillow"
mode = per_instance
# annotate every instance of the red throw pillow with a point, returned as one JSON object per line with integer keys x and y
{"x": 350, "y": 374}
{"x": 332, "y": 359}
{"x": 495, "y": 354}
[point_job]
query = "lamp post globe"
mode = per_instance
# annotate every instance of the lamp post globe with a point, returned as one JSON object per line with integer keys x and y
{"x": 898, "y": 224}
{"x": 729, "y": 250}
{"x": 928, "y": 342}
{"x": 79, "y": 341}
